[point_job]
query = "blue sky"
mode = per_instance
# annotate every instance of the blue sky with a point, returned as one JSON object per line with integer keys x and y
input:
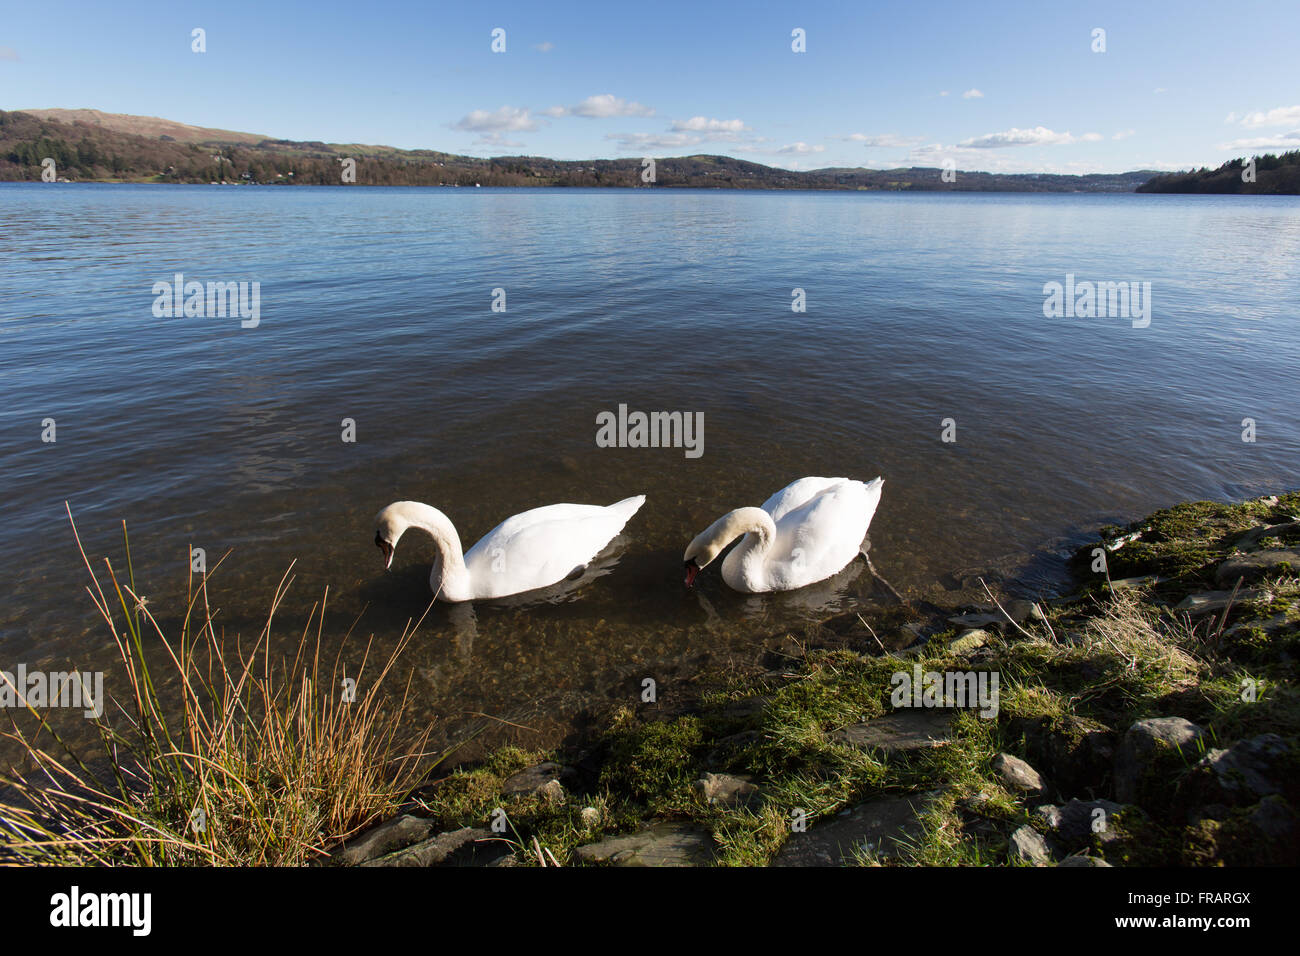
{"x": 1009, "y": 86}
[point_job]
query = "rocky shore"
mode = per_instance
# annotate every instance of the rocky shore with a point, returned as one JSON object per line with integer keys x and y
{"x": 1148, "y": 718}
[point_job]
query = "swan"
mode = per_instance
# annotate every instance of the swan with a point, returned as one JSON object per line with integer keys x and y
{"x": 531, "y": 550}
{"x": 808, "y": 531}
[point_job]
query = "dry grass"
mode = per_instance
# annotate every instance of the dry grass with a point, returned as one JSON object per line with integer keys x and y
{"x": 244, "y": 761}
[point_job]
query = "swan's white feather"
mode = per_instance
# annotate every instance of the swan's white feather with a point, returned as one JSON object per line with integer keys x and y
{"x": 541, "y": 547}
{"x": 820, "y": 525}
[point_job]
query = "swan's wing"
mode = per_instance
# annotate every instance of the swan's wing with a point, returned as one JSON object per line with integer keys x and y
{"x": 821, "y": 536}
{"x": 541, "y": 547}
{"x": 797, "y": 494}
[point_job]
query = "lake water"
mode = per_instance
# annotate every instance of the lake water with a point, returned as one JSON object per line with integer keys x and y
{"x": 376, "y": 306}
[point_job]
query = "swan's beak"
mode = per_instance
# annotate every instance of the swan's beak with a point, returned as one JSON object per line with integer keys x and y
{"x": 386, "y": 550}
{"x": 692, "y": 569}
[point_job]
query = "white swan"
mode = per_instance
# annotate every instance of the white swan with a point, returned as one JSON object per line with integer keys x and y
{"x": 806, "y": 532}
{"x": 531, "y": 550}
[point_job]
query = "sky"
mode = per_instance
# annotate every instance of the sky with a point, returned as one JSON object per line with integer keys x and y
{"x": 1001, "y": 87}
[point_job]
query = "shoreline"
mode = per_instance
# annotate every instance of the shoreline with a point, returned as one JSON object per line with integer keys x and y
{"x": 1146, "y": 717}
{"x": 1089, "y": 758}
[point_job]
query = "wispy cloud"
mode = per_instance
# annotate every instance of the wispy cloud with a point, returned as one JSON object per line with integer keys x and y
{"x": 546, "y": 46}
{"x": 800, "y": 149}
{"x": 1289, "y": 140}
{"x": 1038, "y": 136}
{"x": 497, "y": 140}
{"x": 652, "y": 142}
{"x": 1124, "y": 134}
{"x": 702, "y": 124}
{"x": 972, "y": 94}
{"x": 601, "y": 106}
{"x": 9, "y": 54}
{"x": 885, "y": 141}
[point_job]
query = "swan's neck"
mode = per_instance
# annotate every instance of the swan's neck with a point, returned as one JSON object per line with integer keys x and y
{"x": 743, "y": 567}
{"x": 450, "y": 577}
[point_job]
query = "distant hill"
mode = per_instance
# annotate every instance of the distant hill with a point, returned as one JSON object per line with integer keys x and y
{"x": 88, "y": 145}
{"x": 1278, "y": 175}
{"x": 150, "y": 127}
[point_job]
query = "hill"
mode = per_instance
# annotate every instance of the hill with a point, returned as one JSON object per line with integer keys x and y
{"x": 88, "y": 145}
{"x": 1278, "y": 175}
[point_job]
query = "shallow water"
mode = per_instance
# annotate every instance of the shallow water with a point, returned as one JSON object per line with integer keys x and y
{"x": 376, "y": 306}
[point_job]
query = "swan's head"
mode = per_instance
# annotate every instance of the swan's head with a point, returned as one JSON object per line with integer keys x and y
{"x": 390, "y": 525}
{"x": 711, "y": 542}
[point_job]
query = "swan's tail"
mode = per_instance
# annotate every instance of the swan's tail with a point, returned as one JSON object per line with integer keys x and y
{"x": 626, "y": 508}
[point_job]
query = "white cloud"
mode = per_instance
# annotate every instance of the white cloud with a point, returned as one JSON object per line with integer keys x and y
{"x": 1124, "y": 134}
{"x": 506, "y": 119}
{"x": 1038, "y": 136}
{"x": 546, "y": 46}
{"x": 972, "y": 94}
{"x": 654, "y": 141}
{"x": 943, "y": 92}
{"x": 1282, "y": 116}
{"x": 1289, "y": 140}
{"x": 1160, "y": 89}
{"x": 885, "y": 141}
{"x": 800, "y": 148}
{"x": 702, "y": 124}
{"x": 602, "y": 106}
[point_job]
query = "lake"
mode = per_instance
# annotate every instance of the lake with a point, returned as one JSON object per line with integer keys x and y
{"x": 923, "y": 320}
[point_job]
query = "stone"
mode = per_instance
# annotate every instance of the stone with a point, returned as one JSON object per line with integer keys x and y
{"x": 1146, "y": 580}
{"x": 969, "y": 641}
{"x": 902, "y": 730}
{"x": 1251, "y": 567}
{"x": 1250, "y": 541}
{"x": 1145, "y": 741}
{"x": 881, "y": 827}
{"x": 1215, "y": 602}
{"x": 543, "y": 779}
{"x": 1274, "y": 818}
{"x": 1082, "y": 859}
{"x": 664, "y": 844}
{"x": 467, "y": 846}
{"x": 1027, "y": 844}
{"x": 727, "y": 790}
{"x": 1077, "y": 755}
{"x": 385, "y": 838}
{"x": 1244, "y": 771}
{"x": 1016, "y": 775}
{"x": 1074, "y": 823}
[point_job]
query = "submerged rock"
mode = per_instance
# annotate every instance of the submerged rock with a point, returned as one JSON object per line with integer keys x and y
{"x": 664, "y": 844}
